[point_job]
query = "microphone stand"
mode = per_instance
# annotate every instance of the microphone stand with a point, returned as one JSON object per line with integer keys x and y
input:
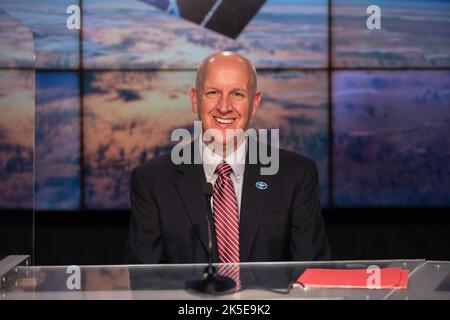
{"x": 211, "y": 282}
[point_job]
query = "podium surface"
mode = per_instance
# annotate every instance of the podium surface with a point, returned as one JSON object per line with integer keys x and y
{"x": 259, "y": 281}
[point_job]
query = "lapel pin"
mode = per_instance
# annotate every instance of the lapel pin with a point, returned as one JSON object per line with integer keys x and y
{"x": 261, "y": 185}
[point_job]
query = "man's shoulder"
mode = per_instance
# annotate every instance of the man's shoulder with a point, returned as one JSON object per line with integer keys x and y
{"x": 295, "y": 166}
{"x": 290, "y": 158}
{"x": 156, "y": 166}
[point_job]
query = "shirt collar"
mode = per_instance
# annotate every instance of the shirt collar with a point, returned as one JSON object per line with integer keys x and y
{"x": 236, "y": 159}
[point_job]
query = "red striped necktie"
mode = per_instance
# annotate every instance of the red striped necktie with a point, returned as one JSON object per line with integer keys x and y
{"x": 226, "y": 221}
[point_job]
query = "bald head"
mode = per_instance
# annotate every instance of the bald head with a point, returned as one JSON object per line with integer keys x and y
{"x": 224, "y": 58}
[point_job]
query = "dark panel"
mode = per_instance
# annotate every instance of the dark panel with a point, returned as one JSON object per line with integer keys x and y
{"x": 365, "y": 234}
{"x": 65, "y": 238}
{"x": 99, "y": 237}
{"x": 16, "y": 232}
{"x": 195, "y": 10}
{"x": 232, "y": 16}
{"x": 192, "y": 10}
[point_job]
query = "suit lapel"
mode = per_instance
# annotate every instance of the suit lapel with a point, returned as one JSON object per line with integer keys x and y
{"x": 252, "y": 207}
{"x": 190, "y": 186}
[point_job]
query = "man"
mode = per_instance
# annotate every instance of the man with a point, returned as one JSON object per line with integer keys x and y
{"x": 256, "y": 217}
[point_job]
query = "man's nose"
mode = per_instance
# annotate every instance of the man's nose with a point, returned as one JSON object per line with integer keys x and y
{"x": 224, "y": 104}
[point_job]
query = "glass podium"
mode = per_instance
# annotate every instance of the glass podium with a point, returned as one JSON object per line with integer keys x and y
{"x": 430, "y": 281}
{"x": 259, "y": 280}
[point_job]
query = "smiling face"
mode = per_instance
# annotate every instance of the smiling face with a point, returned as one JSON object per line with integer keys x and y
{"x": 225, "y": 97}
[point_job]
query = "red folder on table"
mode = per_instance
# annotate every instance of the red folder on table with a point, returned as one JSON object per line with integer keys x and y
{"x": 378, "y": 278}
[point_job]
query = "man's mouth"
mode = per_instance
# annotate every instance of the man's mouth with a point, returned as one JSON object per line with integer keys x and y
{"x": 223, "y": 120}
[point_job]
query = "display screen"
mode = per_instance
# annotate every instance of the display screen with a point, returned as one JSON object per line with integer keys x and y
{"x": 370, "y": 105}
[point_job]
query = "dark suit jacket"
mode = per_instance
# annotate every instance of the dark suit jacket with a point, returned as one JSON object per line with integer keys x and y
{"x": 168, "y": 221}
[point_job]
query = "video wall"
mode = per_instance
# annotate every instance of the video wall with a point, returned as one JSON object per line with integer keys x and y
{"x": 370, "y": 106}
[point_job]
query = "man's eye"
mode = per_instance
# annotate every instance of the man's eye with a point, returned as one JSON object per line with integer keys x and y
{"x": 211, "y": 93}
{"x": 238, "y": 94}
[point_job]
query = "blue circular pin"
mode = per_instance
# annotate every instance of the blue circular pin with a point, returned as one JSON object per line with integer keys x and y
{"x": 261, "y": 185}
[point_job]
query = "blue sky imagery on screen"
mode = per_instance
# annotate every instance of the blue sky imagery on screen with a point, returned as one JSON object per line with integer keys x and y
{"x": 413, "y": 34}
{"x": 56, "y": 46}
{"x": 57, "y": 174}
{"x": 134, "y": 34}
{"x": 16, "y": 43}
{"x": 391, "y": 138}
{"x": 128, "y": 119}
{"x": 16, "y": 138}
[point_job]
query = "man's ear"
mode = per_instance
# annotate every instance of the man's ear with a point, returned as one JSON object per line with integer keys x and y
{"x": 256, "y": 102}
{"x": 194, "y": 100}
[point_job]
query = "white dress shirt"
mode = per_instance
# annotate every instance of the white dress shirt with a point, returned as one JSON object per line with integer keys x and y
{"x": 237, "y": 162}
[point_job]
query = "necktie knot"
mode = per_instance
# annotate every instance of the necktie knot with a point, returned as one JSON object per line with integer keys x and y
{"x": 223, "y": 169}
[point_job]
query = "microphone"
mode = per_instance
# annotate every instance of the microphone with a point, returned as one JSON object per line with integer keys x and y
{"x": 208, "y": 192}
{"x": 211, "y": 282}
